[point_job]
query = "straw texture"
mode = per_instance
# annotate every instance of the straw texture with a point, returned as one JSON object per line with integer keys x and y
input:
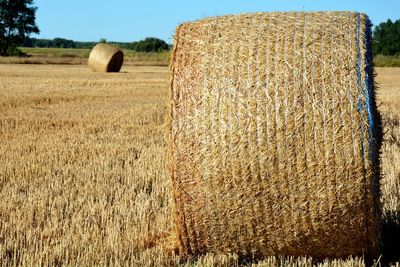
{"x": 275, "y": 136}
{"x": 105, "y": 58}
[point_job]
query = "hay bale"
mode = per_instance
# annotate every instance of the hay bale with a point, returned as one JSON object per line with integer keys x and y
{"x": 275, "y": 136}
{"x": 105, "y": 58}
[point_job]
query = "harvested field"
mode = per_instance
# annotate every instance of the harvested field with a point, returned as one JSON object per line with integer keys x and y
{"x": 82, "y": 168}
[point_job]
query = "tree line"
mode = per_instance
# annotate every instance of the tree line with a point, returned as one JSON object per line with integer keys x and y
{"x": 17, "y": 22}
{"x": 386, "y": 38}
{"x": 149, "y": 44}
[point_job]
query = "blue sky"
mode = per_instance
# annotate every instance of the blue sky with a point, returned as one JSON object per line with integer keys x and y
{"x": 132, "y": 20}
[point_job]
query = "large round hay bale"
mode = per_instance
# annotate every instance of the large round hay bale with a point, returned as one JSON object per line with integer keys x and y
{"x": 105, "y": 58}
{"x": 275, "y": 135}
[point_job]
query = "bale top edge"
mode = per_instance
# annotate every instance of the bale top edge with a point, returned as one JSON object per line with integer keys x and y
{"x": 288, "y": 13}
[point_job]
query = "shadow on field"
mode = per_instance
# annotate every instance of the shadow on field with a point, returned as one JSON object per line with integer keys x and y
{"x": 391, "y": 237}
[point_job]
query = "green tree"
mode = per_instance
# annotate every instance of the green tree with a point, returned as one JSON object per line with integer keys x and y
{"x": 63, "y": 43}
{"x": 387, "y": 38}
{"x": 150, "y": 44}
{"x": 17, "y": 20}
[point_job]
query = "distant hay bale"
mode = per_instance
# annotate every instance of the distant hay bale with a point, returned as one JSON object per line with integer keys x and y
{"x": 275, "y": 135}
{"x": 105, "y": 58}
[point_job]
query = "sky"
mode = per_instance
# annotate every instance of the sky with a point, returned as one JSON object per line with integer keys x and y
{"x": 133, "y": 20}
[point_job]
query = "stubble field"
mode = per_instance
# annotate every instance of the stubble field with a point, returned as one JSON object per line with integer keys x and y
{"x": 82, "y": 169}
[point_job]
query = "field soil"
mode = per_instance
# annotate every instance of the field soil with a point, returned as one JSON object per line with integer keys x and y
{"x": 82, "y": 169}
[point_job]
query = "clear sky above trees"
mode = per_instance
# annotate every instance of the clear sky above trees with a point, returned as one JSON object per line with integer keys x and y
{"x": 127, "y": 20}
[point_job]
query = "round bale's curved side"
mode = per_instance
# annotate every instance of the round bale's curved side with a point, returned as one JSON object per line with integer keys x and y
{"x": 274, "y": 136}
{"x": 105, "y": 58}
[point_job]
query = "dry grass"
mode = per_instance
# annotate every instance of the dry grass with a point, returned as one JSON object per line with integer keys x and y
{"x": 82, "y": 168}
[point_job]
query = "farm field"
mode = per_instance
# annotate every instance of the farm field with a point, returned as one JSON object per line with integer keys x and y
{"x": 74, "y": 56}
{"x": 82, "y": 169}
